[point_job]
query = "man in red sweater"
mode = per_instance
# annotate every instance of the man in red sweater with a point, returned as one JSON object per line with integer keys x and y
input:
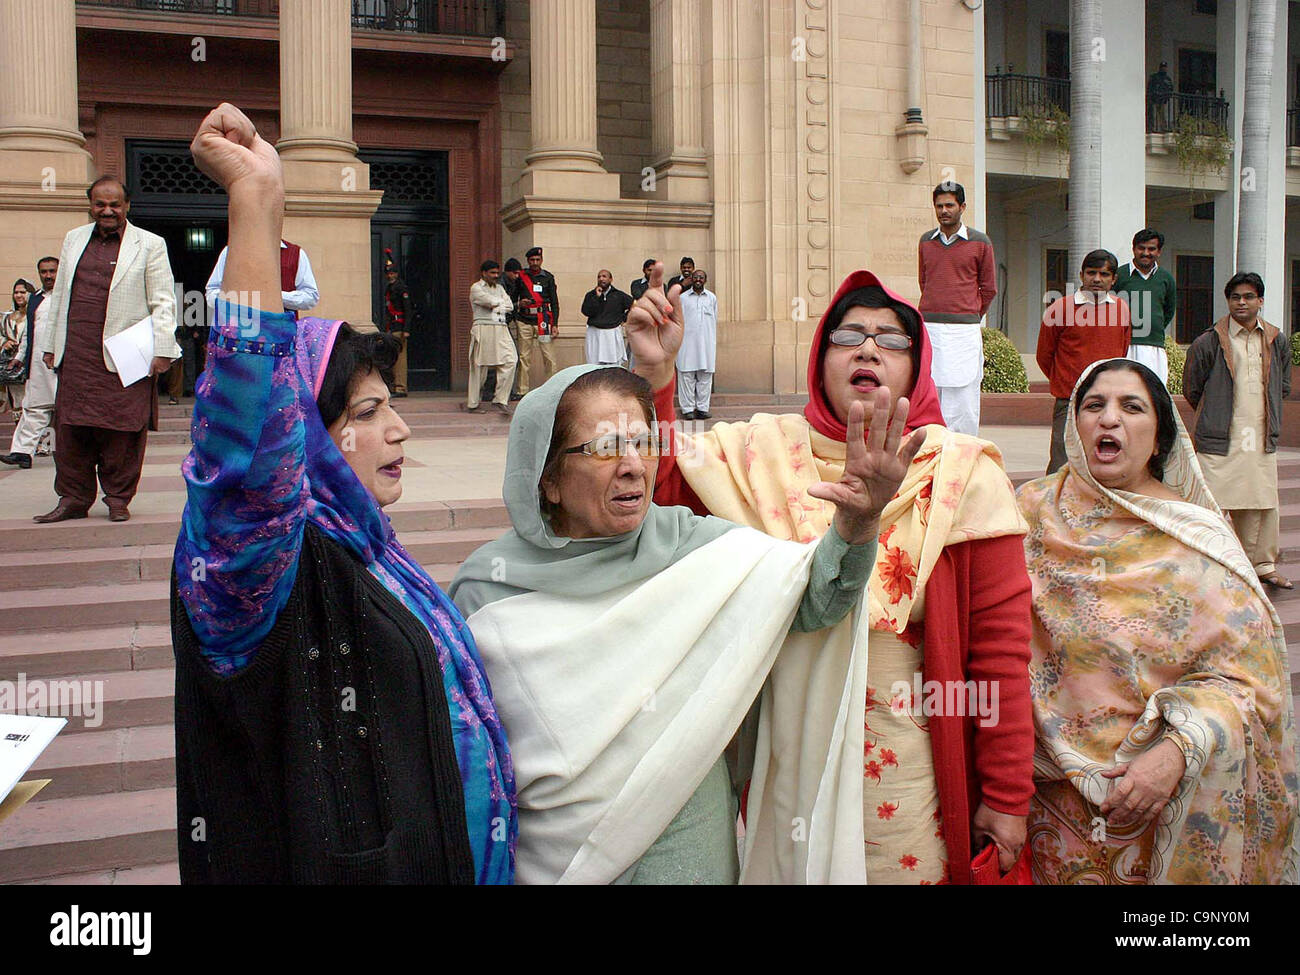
{"x": 958, "y": 278}
{"x": 1079, "y": 329}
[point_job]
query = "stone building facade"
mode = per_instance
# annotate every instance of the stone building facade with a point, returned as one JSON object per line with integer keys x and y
{"x": 771, "y": 141}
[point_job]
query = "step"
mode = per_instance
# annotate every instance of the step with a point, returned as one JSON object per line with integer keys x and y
{"x": 45, "y": 609}
{"x": 88, "y": 834}
{"x": 63, "y": 652}
{"x": 152, "y": 874}
{"x": 22, "y": 535}
{"x": 118, "y": 699}
{"x": 116, "y": 760}
{"x": 64, "y": 568}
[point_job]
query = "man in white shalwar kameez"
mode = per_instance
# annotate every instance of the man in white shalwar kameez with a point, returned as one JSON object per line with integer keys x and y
{"x": 490, "y": 344}
{"x": 697, "y": 358}
{"x": 38, "y": 400}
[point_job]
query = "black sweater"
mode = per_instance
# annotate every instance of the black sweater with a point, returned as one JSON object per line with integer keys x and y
{"x": 608, "y": 310}
{"x": 330, "y": 757}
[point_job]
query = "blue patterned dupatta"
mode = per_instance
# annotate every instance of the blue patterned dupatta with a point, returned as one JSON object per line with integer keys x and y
{"x": 290, "y": 472}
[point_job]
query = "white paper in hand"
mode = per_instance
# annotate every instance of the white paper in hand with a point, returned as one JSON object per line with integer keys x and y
{"x": 132, "y": 351}
{"x": 22, "y": 739}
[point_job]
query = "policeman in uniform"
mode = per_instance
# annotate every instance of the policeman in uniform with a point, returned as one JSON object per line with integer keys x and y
{"x": 397, "y": 316}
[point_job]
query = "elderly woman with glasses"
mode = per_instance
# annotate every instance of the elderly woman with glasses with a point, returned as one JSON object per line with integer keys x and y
{"x": 626, "y": 642}
{"x": 918, "y": 722}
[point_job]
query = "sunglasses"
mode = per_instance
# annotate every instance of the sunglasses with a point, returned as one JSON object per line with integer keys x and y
{"x": 851, "y": 338}
{"x": 613, "y": 446}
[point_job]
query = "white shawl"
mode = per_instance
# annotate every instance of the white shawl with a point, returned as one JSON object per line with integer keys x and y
{"x": 676, "y": 661}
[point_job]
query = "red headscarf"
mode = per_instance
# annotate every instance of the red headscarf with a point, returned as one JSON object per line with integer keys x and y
{"x": 924, "y": 397}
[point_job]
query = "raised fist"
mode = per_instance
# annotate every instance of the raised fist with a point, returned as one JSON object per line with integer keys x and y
{"x": 228, "y": 148}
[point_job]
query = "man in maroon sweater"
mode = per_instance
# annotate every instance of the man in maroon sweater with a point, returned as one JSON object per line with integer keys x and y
{"x": 958, "y": 278}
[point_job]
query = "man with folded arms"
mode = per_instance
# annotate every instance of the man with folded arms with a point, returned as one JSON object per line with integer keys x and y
{"x": 115, "y": 275}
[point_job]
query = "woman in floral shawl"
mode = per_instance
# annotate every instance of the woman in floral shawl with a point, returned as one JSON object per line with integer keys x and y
{"x": 1166, "y": 748}
{"x": 890, "y": 787}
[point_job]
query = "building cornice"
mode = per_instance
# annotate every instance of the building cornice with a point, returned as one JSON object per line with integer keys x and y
{"x": 529, "y": 210}
{"x": 358, "y": 203}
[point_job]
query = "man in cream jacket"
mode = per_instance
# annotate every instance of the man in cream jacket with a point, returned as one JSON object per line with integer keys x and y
{"x": 114, "y": 275}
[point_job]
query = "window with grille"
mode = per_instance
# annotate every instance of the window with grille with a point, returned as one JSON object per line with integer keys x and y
{"x": 167, "y": 169}
{"x": 411, "y": 181}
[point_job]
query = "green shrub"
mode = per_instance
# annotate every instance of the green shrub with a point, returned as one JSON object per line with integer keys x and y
{"x": 1004, "y": 370}
{"x": 1177, "y": 357}
{"x": 1295, "y": 348}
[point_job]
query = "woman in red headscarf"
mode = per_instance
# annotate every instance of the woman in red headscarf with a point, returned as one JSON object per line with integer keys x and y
{"x": 918, "y": 742}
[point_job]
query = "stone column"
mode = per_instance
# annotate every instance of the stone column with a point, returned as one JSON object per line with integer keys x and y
{"x": 316, "y": 80}
{"x": 1123, "y": 129}
{"x": 676, "y": 53}
{"x": 564, "y": 160}
{"x": 328, "y": 201}
{"x": 44, "y": 167}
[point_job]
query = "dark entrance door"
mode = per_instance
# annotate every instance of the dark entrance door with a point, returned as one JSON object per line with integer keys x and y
{"x": 412, "y": 222}
{"x": 1195, "y": 277}
{"x": 171, "y": 198}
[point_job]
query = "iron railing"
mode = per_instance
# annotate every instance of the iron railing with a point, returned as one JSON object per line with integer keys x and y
{"x": 1010, "y": 95}
{"x": 228, "y": 8}
{"x": 475, "y": 18}
{"x": 1208, "y": 113}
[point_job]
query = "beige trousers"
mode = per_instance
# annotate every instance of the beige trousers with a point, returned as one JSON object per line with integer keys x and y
{"x": 1258, "y": 531}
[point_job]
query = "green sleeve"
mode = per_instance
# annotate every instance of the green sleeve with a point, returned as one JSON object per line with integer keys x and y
{"x": 839, "y": 574}
{"x": 1171, "y": 301}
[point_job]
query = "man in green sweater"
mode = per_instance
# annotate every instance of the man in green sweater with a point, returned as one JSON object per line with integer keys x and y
{"x": 1153, "y": 300}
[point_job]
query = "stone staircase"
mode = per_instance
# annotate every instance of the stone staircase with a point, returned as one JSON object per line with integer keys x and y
{"x": 88, "y": 600}
{"x": 438, "y": 415}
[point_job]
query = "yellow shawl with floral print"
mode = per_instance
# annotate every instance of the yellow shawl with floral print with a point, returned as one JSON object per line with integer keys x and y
{"x": 758, "y": 474}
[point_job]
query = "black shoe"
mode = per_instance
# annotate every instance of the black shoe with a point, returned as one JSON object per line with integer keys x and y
{"x": 400, "y": 394}
{"x": 173, "y": 401}
{"x": 515, "y": 397}
{"x": 702, "y": 415}
{"x": 687, "y": 416}
{"x": 23, "y": 461}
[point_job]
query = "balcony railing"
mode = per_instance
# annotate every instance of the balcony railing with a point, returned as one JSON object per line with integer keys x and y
{"x": 475, "y": 18}
{"x": 227, "y": 8}
{"x": 1010, "y": 95}
{"x": 1207, "y": 113}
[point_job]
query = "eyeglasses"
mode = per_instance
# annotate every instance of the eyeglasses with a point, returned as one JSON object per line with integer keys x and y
{"x": 1239, "y": 297}
{"x": 852, "y": 337}
{"x": 613, "y": 446}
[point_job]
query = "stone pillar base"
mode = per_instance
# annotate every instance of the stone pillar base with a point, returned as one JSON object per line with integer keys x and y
{"x": 328, "y": 206}
{"x": 682, "y": 181}
{"x": 42, "y": 197}
{"x": 567, "y": 185}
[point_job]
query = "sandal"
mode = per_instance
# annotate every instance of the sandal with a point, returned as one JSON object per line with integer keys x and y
{"x": 1277, "y": 581}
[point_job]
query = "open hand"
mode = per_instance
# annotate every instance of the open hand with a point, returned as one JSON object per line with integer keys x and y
{"x": 873, "y": 469}
{"x": 655, "y": 329}
{"x": 228, "y": 148}
{"x": 1140, "y": 789}
{"x": 1005, "y": 831}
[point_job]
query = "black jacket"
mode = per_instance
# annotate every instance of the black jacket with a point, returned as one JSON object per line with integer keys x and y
{"x": 1208, "y": 385}
{"x": 608, "y": 310}
{"x": 278, "y": 780}
{"x": 33, "y": 303}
